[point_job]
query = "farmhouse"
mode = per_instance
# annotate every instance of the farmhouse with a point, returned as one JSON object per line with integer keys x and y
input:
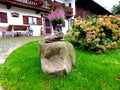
{"x": 29, "y": 17}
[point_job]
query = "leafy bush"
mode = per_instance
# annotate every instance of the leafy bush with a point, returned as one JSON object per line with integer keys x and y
{"x": 96, "y": 34}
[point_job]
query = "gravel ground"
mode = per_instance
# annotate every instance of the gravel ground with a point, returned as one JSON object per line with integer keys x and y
{"x": 7, "y": 45}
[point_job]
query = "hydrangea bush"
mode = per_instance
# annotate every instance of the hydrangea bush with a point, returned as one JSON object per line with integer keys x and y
{"x": 97, "y": 34}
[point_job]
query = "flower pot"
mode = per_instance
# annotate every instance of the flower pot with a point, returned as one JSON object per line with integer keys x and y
{"x": 57, "y": 27}
{"x": 54, "y": 26}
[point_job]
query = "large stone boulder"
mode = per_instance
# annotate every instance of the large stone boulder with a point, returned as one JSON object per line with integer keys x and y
{"x": 57, "y": 58}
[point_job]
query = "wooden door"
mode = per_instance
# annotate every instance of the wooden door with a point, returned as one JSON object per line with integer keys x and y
{"x": 47, "y": 27}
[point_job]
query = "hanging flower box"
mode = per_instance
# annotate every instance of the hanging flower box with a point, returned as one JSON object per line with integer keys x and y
{"x": 68, "y": 10}
{"x": 55, "y": 5}
{"x": 57, "y": 18}
{"x": 39, "y": 2}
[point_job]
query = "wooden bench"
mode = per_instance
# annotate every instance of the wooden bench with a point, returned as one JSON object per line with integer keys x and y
{"x": 19, "y": 30}
{"x": 15, "y": 30}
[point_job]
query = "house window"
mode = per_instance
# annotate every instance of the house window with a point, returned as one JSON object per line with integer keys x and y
{"x": 32, "y": 20}
{"x": 69, "y": 4}
{"x": 63, "y": 4}
{"x": 35, "y": 21}
{"x": 3, "y": 17}
{"x": 39, "y": 21}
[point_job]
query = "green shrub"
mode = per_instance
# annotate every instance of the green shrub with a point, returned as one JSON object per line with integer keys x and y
{"x": 96, "y": 34}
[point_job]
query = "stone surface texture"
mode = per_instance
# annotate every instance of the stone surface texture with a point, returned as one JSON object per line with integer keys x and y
{"x": 57, "y": 58}
{"x": 53, "y": 38}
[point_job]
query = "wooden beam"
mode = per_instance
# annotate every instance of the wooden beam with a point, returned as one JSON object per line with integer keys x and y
{"x": 37, "y": 11}
{"x": 9, "y": 6}
{"x": 10, "y": 3}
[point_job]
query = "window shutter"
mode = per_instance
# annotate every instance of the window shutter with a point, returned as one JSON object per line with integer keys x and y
{"x": 0, "y": 17}
{"x": 25, "y": 20}
{"x": 3, "y": 17}
{"x": 39, "y": 21}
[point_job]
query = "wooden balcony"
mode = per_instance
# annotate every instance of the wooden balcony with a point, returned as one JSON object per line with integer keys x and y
{"x": 56, "y": 5}
{"x": 68, "y": 11}
{"x": 37, "y": 5}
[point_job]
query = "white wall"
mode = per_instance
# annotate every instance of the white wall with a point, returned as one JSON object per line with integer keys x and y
{"x": 19, "y": 20}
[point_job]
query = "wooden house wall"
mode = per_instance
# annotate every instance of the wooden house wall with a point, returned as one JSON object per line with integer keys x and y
{"x": 84, "y": 13}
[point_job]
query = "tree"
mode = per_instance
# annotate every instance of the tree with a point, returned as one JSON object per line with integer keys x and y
{"x": 116, "y": 9}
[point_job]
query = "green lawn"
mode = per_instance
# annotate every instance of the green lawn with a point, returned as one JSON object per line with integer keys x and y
{"x": 22, "y": 71}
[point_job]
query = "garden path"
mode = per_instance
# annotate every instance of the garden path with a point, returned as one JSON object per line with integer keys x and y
{"x": 1, "y": 88}
{"x": 7, "y": 45}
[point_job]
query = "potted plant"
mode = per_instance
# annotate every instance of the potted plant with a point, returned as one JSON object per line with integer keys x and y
{"x": 57, "y": 19}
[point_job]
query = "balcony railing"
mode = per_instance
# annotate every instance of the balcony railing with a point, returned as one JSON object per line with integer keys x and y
{"x": 32, "y": 2}
{"x": 38, "y": 5}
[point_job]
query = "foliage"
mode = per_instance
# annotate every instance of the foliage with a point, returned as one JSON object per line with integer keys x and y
{"x": 97, "y": 34}
{"x": 22, "y": 71}
{"x": 57, "y": 17}
{"x": 116, "y": 9}
{"x": 55, "y": 5}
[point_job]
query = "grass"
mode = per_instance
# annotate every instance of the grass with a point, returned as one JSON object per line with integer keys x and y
{"x": 22, "y": 71}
